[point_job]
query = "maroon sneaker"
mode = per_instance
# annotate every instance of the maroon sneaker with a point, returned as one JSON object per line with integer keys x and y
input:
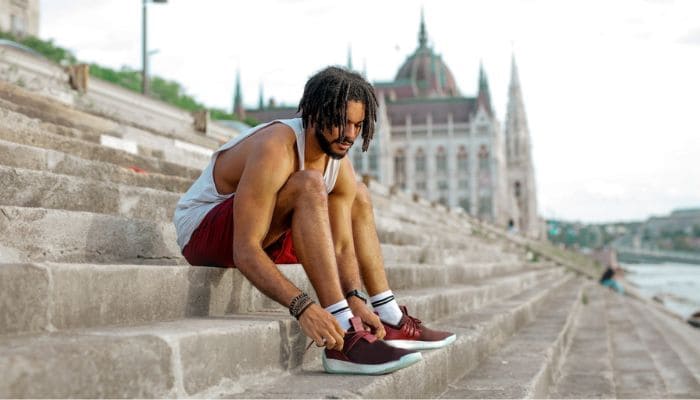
{"x": 411, "y": 334}
{"x": 363, "y": 354}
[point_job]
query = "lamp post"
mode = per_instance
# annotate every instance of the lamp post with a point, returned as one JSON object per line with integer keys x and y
{"x": 144, "y": 45}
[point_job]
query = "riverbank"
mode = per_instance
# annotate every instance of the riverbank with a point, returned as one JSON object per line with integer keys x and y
{"x": 675, "y": 285}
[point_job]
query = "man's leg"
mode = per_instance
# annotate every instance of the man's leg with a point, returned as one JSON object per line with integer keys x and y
{"x": 367, "y": 248}
{"x": 302, "y": 204}
{"x": 402, "y": 330}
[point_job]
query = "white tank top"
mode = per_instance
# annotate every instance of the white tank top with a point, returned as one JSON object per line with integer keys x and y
{"x": 203, "y": 196}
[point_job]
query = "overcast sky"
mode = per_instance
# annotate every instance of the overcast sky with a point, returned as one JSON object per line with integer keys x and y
{"x": 611, "y": 88}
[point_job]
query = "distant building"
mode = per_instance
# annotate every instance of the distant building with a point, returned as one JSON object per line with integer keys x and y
{"x": 446, "y": 147}
{"x": 20, "y": 17}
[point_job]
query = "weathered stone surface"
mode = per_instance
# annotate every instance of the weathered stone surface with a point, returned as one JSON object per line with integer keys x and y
{"x": 36, "y": 234}
{"x": 38, "y": 159}
{"x": 62, "y": 365}
{"x": 24, "y": 298}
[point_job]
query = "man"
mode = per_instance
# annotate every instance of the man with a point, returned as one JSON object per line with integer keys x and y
{"x": 288, "y": 182}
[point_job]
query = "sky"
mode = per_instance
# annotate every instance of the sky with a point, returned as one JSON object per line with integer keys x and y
{"x": 611, "y": 88}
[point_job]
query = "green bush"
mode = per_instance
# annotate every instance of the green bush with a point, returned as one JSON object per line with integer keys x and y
{"x": 167, "y": 91}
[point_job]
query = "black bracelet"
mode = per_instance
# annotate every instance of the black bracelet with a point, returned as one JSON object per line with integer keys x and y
{"x": 299, "y": 304}
{"x": 304, "y": 308}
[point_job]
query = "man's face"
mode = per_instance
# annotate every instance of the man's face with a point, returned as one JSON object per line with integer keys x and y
{"x": 330, "y": 141}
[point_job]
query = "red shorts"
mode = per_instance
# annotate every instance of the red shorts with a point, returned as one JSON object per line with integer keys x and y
{"x": 211, "y": 244}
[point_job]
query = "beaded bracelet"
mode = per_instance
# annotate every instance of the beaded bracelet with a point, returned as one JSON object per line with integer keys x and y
{"x": 299, "y": 304}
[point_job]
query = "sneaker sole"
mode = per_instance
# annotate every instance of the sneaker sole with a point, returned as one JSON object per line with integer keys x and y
{"x": 333, "y": 366}
{"x": 419, "y": 345}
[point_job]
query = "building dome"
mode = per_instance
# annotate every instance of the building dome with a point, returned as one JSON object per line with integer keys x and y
{"x": 426, "y": 72}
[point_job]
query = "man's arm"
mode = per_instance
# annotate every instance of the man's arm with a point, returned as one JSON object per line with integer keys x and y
{"x": 340, "y": 203}
{"x": 267, "y": 168}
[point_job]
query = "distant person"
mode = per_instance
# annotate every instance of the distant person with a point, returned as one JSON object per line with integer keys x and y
{"x": 608, "y": 278}
{"x": 290, "y": 195}
{"x": 511, "y": 227}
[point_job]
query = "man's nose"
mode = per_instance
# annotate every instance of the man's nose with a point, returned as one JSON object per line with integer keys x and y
{"x": 351, "y": 131}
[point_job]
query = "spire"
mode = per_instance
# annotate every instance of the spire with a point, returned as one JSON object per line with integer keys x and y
{"x": 514, "y": 80}
{"x": 484, "y": 96}
{"x": 349, "y": 64}
{"x": 422, "y": 34}
{"x": 238, "y": 97}
{"x": 517, "y": 132}
{"x": 261, "y": 98}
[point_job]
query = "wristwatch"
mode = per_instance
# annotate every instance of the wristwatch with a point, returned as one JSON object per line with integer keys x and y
{"x": 357, "y": 293}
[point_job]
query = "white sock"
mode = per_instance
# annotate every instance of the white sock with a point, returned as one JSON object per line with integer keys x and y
{"x": 341, "y": 312}
{"x": 387, "y": 307}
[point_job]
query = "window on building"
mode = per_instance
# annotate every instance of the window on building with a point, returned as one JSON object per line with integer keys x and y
{"x": 442, "y": 185}
{"x": 462, "y": 160}
{"x": 463, "y": 184}
{"x": 373, "y": 159}
{"x": 517, "y": 189}
{"x": 464, "y": 203}
{"x": 420, "y": 161}
{"x": 400, "y": 168}
{"x": 443, "y": 201}
{"x": 441, "y": 161}
{"x": 484, "y": 162}
{"x": 485, "y": 206}
{"x": 357, "y": 162}
{"x": 421, "y": 185}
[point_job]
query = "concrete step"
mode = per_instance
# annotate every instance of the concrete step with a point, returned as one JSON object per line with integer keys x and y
{"x": 90, "y": 151}
{"x": 39, "y": 234}
{"x": 634, "y": 372}
{"x": 29, "y": 234}
{"x": 39, "y": 159}
{"x": 527, "y": 364}
{"x": 27, "y": 188}
{"x": 587, "y": 369}
{"x": 680, "y": 380}
{"x": 479, "y": 332}
{"x": 41, "y": 189}
{"x": 55, "y": 296}
{"x": 682, "y": 337}
{"x": 190, "y": 357}
{"x": 644, "y": 363}
{"x": 31, "y": 110}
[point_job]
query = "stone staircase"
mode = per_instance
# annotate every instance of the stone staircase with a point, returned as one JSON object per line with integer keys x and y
{"x": 96, "y": 301}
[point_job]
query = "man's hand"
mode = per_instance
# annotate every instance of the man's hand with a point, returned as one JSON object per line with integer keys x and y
{"x": 360, "y": 309}
{"x": 319, "y": 325}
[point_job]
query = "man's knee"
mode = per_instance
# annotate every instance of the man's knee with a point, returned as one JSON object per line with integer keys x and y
{"x": 308, "y": 186}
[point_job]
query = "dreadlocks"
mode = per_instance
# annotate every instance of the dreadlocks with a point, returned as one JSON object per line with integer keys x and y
{"x": 326, "y": 96}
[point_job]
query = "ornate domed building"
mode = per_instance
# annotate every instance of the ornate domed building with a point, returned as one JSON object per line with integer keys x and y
{"x": 446, "y": 147}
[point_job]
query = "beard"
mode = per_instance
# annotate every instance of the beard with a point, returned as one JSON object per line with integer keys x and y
{"x": 325, "y": 145}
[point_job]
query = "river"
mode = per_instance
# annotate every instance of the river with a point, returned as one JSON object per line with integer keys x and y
{"x": 678, "y": 285}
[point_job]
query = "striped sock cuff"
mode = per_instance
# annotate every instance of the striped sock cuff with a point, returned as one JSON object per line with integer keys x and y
{"x": 338, "y": 307}
{"x": 382, "y": 298}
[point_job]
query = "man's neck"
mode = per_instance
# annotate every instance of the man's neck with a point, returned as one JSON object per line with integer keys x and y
{"x": 314, "y": 156}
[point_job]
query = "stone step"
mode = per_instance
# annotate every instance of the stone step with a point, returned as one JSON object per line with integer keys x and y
{"x": 39, "y": 234}
{"x": 680, "y": 379}
{"x": 189, "y": 357}
{"x": 527, "y": 364}
{"x": 644, "y": 363}
{"x": 634, "y": 372}
{"x": 54, "y": 296}
{"x": 587, "y": 368}
{"x": 39, "y": 159}
{"x": 479, "y": 332}
{"x": 30, "y": 234}
{"x": 682, "y": 337}
{"x": 91, "y": 151}
{"x": 29, "y": 109}
{"x": 41, "y": 189}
